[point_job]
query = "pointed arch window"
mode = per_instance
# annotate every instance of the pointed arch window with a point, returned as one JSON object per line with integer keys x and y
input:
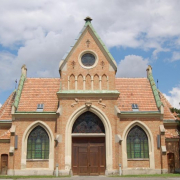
{"x": 88, "y": 122}
{"x": 137, "y": 143}
{"x": 38, "y": 144}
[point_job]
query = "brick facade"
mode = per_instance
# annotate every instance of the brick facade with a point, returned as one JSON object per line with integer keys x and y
{"x": 94, "y": 89}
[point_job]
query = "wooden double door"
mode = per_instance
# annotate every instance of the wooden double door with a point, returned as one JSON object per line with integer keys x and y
{"x": 88, "y": 156}
{"x": 4, "y": 164}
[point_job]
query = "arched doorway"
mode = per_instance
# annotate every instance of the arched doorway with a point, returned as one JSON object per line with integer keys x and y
{"x": 171, "y": 162}
{"x": 88, "y": 145}
{"x": 4, "y": 164}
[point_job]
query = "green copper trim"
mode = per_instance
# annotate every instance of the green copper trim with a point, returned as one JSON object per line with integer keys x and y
{"x": 140, "y": 112}
{"x": 100, "y": 40}
{"x": 19, "y": 91}
{"x": 88, "y": 23}
{"x": 88, "y": 93}
{"x": 155, "y": 91}
{"x": 5, "y": 121}
{"x": 171, "y": 121}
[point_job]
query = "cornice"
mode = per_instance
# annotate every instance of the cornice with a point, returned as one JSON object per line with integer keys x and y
{"x": 171, "y": 122}
{"x": 35, "y": 114}
{"x": 4, "y": 140}
{"x": 172, "y": 139}
{"x": 88, "y": 93}
{"x": 139, "y": 114}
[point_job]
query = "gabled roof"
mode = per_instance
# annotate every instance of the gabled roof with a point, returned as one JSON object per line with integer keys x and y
{"x": 171, "y": 135}
{"x": 168, "y": 115}
{"x": 39, "y": 91}
{"x": 5, "y": 110}
{"x": 135, "y": 91}
{"x": 89, "y": 26}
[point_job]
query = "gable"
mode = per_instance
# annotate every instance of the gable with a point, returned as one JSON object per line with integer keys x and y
{"x": 89, "y": 28}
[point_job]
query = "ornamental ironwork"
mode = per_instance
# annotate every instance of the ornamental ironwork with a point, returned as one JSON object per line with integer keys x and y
{"x": 88, "y": 123}
{"x": 38, "y": 144}
{"x": 137, "y": 143}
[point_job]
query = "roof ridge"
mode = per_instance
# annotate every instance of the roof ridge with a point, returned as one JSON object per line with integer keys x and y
{"x": 42, "y": 78}
{"x": 11, "y": 96}
{"x": 102, "y": 43}
{"x": 19, "y": 91}
{"x": 154, "y": 90}
{"x": 131, "y": 78}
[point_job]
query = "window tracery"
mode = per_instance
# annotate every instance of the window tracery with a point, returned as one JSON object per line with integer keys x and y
{"x": 88, "y": 123}
{"x": 38, "y": 144}
{"x": 137, "y": 143}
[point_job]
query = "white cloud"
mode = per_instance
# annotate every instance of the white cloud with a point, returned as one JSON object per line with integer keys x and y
{"x": 42, "y": 31}
{"x": 175, "y": 56}
{"x": 174, "y": 97}
{"x": 0, "y": 104}
{"x": 132, "y": 66}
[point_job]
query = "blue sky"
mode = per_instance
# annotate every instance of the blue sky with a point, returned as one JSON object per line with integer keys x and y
{"x": 137, "y": 33}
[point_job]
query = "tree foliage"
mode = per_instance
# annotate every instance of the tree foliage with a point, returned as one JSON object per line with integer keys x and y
{"x": 175, "y": 110}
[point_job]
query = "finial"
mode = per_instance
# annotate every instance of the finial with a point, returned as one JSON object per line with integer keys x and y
{"x": 88, "y": 19}
{"x": 24, "y": 70}
{"x": 149, "y": 70}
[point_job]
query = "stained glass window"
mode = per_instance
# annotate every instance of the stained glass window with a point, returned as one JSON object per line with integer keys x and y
{"x": 137, "y": 143}
{"x": 38, "y": 144}
{"x": 88, "y": 123}
{"x": 88, "y": 59}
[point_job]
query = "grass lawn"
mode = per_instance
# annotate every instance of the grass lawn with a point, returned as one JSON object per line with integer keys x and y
{"x": 26, "y": 177}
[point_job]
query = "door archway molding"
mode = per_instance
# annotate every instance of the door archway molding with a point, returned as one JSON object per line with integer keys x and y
{"x": 68, "y": 136}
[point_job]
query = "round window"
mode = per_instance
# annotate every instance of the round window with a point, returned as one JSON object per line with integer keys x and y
{"x": 88, "y": 59}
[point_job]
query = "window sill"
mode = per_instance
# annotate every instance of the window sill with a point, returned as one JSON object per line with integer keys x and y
{"x": 139, "y": 159}
{"x": 35, "y": 160}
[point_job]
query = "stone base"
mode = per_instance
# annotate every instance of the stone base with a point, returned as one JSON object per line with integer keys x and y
{"x": 27, "y": 172}
{"x": 64, "y": 172}
{"x": 137, "y": 171}
{"x": 111, "y": 172}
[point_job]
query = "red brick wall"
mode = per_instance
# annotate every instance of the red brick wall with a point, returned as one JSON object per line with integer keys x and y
{"x": 37, "y": 164}
{"x": 98, "y": 69}
{"x": 21, "y": 126}
{"x": 142, "y": 163}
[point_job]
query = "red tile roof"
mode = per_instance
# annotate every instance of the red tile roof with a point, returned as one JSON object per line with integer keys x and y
{"x": 5, "y": 110}
{"x": 135, "y": 90}
{"x": 5, "y": 135}
{"x": 168, "y": 115}
{"x": 39, "y": 91}
{"x": 168, "y": 134}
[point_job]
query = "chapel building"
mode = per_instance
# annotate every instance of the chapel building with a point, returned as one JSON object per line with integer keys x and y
{"x": 88, "y": 122}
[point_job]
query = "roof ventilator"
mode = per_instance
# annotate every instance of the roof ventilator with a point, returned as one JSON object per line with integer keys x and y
{"x": 40, "y": 107}
{"x": 135, "y": 107}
